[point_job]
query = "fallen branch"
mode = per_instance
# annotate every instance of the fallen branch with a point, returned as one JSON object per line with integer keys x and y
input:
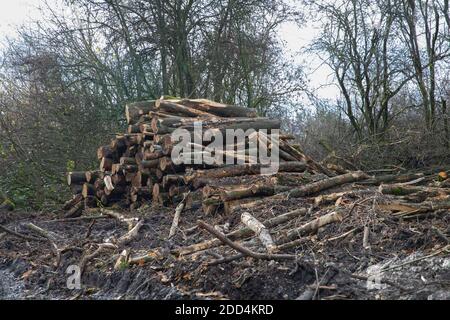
{"x": 402, "y": 189}
{"x": 260, "y": 231}
{"x": 101, "y": 247}
{"x": 129, "y": 221}
{"x": 366, "y": 235}
{"x": 327, "y": 184}
{"x": 176, "y": 218}
{"x": 130, "y": 235}
{"x": 310, "y": 227}
{"x": 79, "y": 219}
{"x": 433, "y": 254}
{"x": 256, "y": 255}
{"x": 20, "y": 235}
{"x": 239, "y": 234}
{"x": 226, "y": 259}
{"x": 122, "y": 260}
{"x": 75, "y": 211}
{"x": 51, "y": 239}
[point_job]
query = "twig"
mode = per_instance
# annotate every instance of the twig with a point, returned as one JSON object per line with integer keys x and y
{"x": 365, "y": 278}
{"x": 342, "y": 235}
{"x": 219, "y": 235}
{"x": 129, "y": 221}
{"x": 101, "y": 247}
{"x": 130, "y": 235}
{"x": 239, "y": 233}
{"x": 226, "y": 259}
{"x": 20, "y": 235}
{"x": 311, "y": 293}
{"x": 176, "y": 218}
{"x": 435, "y": 253}
{"x": 51, "y": 239}
{"x": 441, "y": 235}
{"x": 366, "y": 243}
{"x": 89, "y": 230}
{"x": 79, "y": 219}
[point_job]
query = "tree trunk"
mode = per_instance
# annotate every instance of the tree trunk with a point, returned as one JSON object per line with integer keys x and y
{"x": 327, "y": 184}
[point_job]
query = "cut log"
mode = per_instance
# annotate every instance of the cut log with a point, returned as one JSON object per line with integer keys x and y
{"x": 327, "y": 183}
{"x": 310, "y": 227}
{"x": 172, "y": 179}
{"x": 149, "y": 164}
{"x": 133, "y": 111}
{"x": 105, "y": 152}
{"x": 75, "y": 211}
{"x": 144, "y": 193}
{"x": 390, "y": 178}
{"x": 219, "y": 109}
{"x": 116, "y": 191}
{"x": 260, "y": 231}
{"x": 252, "y": 191}
{"x": 230, "y": 207}
{"x": 401, "y": 190}
{"x": 108, "y": 183}
{"x": 218, "y": 126}
{"x": 155, "y": 192}
{"x": 72, "y": 202}
{"x": 78, "y": 177}
{"x": 118, "y": 179}
{"x": 176, "y": 190}
{"x": 148, "y": 155}
{"x": 134, "y": 128}
{"x": 118, "y": 145}
{"x": 92, "y": 176}
{"x": 139, "y": 179}
{"x": 106, "y": 164}
{"x": 127, "y": 160}
{"x": 300, "y": 156}
{"x": 179, "y": 109}
{"x": 245, "y": 169}
{"x": 88, "y": 190}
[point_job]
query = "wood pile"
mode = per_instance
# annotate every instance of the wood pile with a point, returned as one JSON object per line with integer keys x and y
{"x": 136, "y": 168}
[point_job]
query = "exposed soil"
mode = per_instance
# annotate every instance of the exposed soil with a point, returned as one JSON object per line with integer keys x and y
{"x": 412, "y": 253}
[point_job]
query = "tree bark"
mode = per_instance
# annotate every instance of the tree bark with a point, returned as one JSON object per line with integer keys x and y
{"x": 260, "y": 231}
{"x": 327, "y": 184}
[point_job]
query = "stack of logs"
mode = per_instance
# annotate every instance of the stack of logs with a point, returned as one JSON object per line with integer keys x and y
{"x": 137, "y": 168}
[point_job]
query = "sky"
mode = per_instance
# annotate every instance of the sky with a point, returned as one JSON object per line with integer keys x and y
{"x": 16, "y": 12}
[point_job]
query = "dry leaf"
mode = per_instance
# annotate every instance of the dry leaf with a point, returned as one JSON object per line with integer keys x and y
{"x": 27, "y": 274}
{"x": 442, "y": 176}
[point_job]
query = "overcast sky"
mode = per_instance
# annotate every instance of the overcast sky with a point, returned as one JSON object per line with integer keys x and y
{"x": 16, "y": 12}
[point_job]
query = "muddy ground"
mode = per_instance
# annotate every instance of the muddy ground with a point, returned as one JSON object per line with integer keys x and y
{"x": 406, "y": 259}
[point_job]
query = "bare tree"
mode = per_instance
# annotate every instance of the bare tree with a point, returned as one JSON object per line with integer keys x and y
{"x": 359, "y": 43}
